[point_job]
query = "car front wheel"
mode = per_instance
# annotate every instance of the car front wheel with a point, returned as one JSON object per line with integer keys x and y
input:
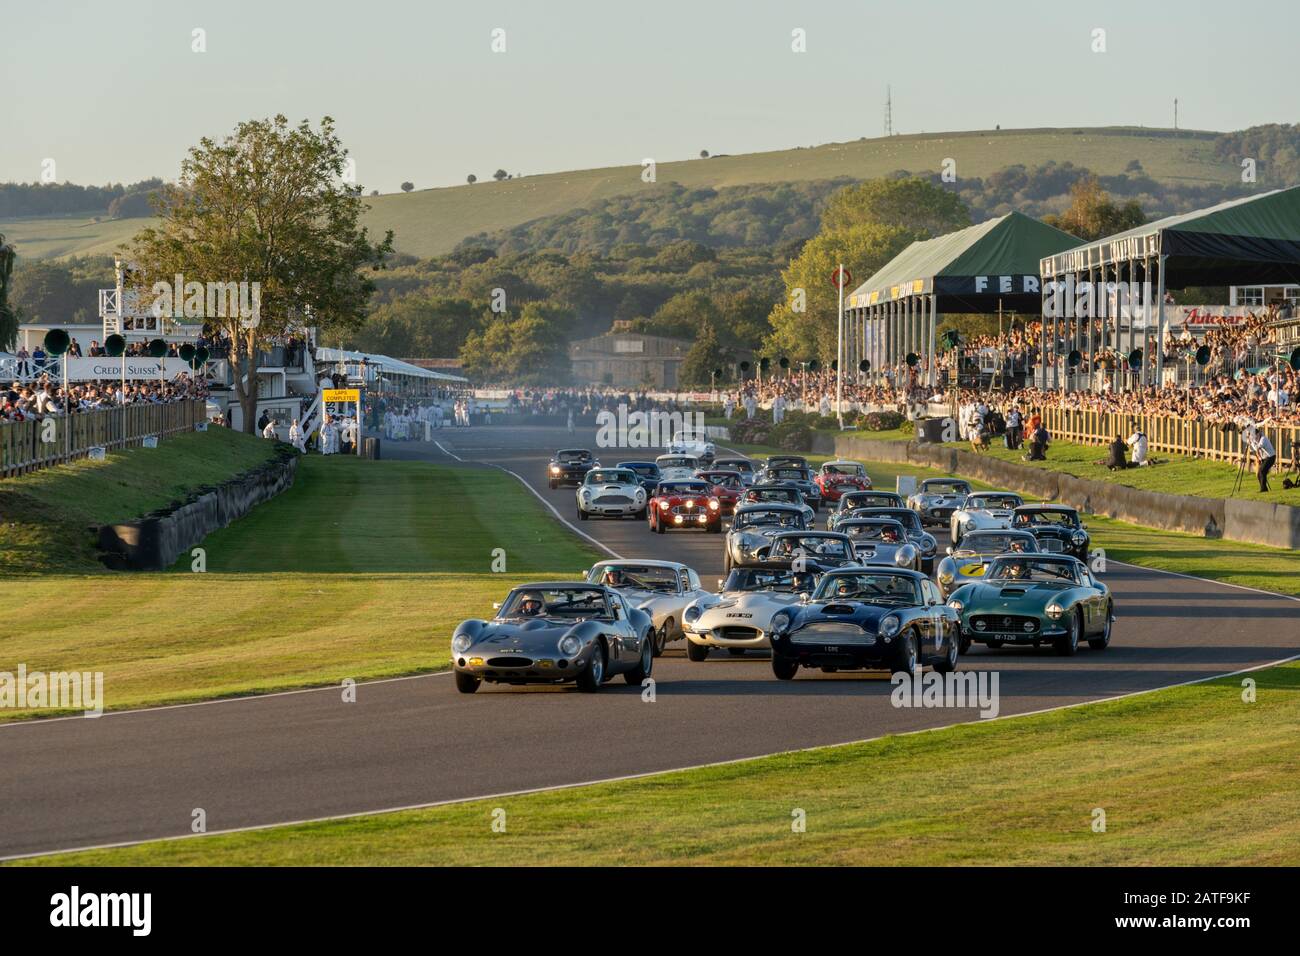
{"x": 467, "y": 683}
{"x": 949, "y": 663}
{"x": 784, "y": 669}
{"x": 663, "y": 636}
{"x": 1103, "y": 642}
{"x": 582, "y": 515}
{"x": 905, "y": 660}
{"x": 593, "y": 675}
{"x": 1068, "y": 643}
{"x": 643, "y": 667}
{"x": 696, "y": 652}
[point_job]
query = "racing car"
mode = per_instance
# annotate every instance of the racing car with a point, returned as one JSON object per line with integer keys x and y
{"x": 677, "y": 466}
{"x": 817, "y": 550}
{"x": 969, "y": 560}
{"x": 937, "y": 499}
{"x": 752, "y": 528}
{"x": 742, "y": 466}
{"x": 881, "y": 541}
{"x": 647, "y": 472}
{"x": 764, "y": 492}
{"x": 662, "y": 589}
{"x": 800, "y": 476}
{"x": 837, "y": 477}
{"x": 923, "y": 541}
{"x": 569, "y": 466}
{"x": 1035, "y": 599}
{"x": 693, "y": 442}
{"x": 867, "y": 618}
{"x": 738, "y": 617}
{"x": 1058, "y": 528}
{"x": 984, "y": 509}
{"x": 853, "y": 500}
{"x": 611, "y": 493}
{"x": 727, "y": 487}
{"x": 555, "y": 633}
{"x": 685, "y": 503}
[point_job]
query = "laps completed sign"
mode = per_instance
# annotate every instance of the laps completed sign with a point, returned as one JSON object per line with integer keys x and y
{"x": 336, "y": 396}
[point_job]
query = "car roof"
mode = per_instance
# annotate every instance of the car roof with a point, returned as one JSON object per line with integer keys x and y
{"x": 647, "y": 563}
{"x": 811, "y": 533}
{"x": 944, "y": 481}
{"x": 768, "y": 506}
{"x": 675, "y": 454}
{"x": 1036, "y": 507}
{"x": 718, "y": 471}
{"x": 633, "y": 464}
{"x": 843, "y": 461}
{"x": 555, "y": 585}
{"x": 874, "y": 569}
{"x": 574, "y": 451}
{"x": 869, "y": 519}
{"x": 741, "y": 458}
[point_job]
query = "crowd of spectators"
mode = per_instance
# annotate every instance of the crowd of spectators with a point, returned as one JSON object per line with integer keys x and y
{"x": 42, "y": 397}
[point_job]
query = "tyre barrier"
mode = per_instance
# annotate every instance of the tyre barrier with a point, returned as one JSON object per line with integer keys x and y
{"x": 155, "y": 541}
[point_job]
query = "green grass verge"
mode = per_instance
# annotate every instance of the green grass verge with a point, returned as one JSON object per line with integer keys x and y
{"x": 44, "y": 515}
{"x": 1188, "y": 776}
{"x": 1232, "y": 562}
{"x": 362, "y": 569}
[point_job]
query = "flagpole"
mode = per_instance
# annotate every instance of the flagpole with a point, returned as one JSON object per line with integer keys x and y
{"x": 839, "y": 350}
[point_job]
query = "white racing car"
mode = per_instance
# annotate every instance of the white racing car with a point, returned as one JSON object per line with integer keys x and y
{"x": 984, "y": 511}
{"x": 739, "y": 617}
{"x": 690, "y": 441}
{"x": 878, "y": 541}
{"x": 611, "y": 493}
{"x": 674, "y": 467}
{"x": 937, "y": 499}
{"x": 662, "y": 589}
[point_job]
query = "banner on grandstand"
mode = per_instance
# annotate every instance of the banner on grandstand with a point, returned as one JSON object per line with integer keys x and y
{"x": 1197, "y": 317}
{"x": 86, "y": 369}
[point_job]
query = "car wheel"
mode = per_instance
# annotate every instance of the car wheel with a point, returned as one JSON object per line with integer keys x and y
{"x": 905, "y": 658}
{"x": 949, "y": 662}
{"x": 1069, "y": 643}
{"x": 593, "y": 675}
{"x": 582, "y": 515}
{"x": 1103, "y": 642}
{"x": 696, "y": 652}
{"x": 662, "y": 638}
{"x": 716, "y": 527}
{"x": 963, "y": 645}
{"x": 647, "y": 662}
{"x": 467, "y": 683}
{"x": 552, "y": 484}
{"x": 659, "y": 526}
{"x": 784, "y": 669}
{"x": 641, "y": 514}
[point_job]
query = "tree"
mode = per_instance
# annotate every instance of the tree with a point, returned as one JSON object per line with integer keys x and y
{"x": 915, "y": 204}
{"x": 1093, "y": 215}
{"x": 407, "y": 187}
{"x": 8, "y": 318}
{"x": 266, "y": 205}
{"x": 471, "y": 179}
{"x": 528, "y": 350}
{"x": 704, "y": 154}
{"x": 704, "y": 357}
{"x": 499, "y": 175}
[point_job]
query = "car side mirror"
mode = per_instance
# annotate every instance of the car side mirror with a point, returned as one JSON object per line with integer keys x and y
{"x": 804, "y": 597}
{"x": 496, "y": 605}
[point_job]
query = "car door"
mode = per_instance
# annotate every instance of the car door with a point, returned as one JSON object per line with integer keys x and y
{"x": 627, "y": 632}
{"x": 938, "y": 622}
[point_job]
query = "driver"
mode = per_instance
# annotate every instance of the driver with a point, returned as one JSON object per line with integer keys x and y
{"x": 531, "y": 604}
{"x": 889, "y": 535}
{"x": 844, "y": 588}
{"x": 1017, "y": 570}
{"x": 1017, "y": 545}
{"x": 613, "y": 578}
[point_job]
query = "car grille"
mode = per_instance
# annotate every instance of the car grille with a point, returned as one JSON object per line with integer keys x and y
{"x": 613, "y": 500}
{"x": 683, "y": 510}
{"x": 840, "y": 633}
{"x": 1051, "y": 544}
{"x": 1003, "y": 624}
{"x": 510, "y": 661}
{"x": 733, "y": 633}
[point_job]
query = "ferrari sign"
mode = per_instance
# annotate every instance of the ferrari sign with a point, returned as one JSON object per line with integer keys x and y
{"x": 335, "y": 396}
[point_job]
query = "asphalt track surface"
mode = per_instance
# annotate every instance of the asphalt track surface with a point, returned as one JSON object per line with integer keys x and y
{"x": 259, "y": 761}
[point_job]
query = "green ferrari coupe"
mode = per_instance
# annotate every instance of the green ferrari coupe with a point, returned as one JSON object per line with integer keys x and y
{"x": 1035, "y": 599}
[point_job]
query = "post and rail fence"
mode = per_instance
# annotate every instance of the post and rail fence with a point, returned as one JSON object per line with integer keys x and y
{"x": 1166, "y": 433}
{"x": 31, "y": 445}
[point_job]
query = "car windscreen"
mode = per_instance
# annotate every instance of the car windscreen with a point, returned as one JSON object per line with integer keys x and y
{"x": 904, "y": 516}
{"x": 996, "y": 542}
{"x": 870, "y": 586}
{"x": 645, "y": 471}
{"x": 732, "y": 464}
{"x": 750, "y": 519}
{"x": 611, "y": 477}
{"x": 678, "y": 461}
{"x": 888, "y": 532}
{"x": 771, "y": 494}
{"x": 554, "y": 603}
{"x": 760, "y": 579}
{"x": 683, "y": 488}
{"x": 992, "y": 501}
{"x": 788, "y": 474}
{"x": 570, "y": 456}
{"x": 1022, "y": 569}
{"x": 1057, "y": 519}
{"x": 945, "y": 488}
{"x": 842, "y": 469}
{"x": 645, "y": 577}
{"x": 868, "y": 500}
{"x": 812, "y": 546}
{"x": 722, "y": 480}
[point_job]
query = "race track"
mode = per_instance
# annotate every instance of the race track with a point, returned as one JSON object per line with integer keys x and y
{"x": 264, "y": 760}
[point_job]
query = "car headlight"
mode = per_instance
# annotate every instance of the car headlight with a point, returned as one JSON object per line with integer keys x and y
{"x": 1078, "y": 537}
{"x": 945, "y": 578}
{"x": 555, "y": 469}
{"x": 956, "y": 605}
{"x": 663, "y": 505}
{"x": 640, "y": 493}
{"x": 1054, "y": 611}
{"x": 906, "y": 555}
{"x": 460, "y": 644}
{"x": 569, "y": 645}
{"x": 713, "y": 504}
{"x": 691, "y": 614}
{"x": 889, "y": 626}
{"x": 781, "y": 622}
{"x": 928, "y": 545}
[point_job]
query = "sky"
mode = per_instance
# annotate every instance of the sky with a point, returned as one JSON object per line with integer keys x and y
{"x": 115, "y": 92}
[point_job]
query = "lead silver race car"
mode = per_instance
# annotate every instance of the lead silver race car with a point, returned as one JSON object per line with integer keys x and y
{"x": 677, "y": 467}
{"x": 662, "y": 589}
{"x": 753, "y": 527}
{"x": 937, "y": 499}
{"x": 740, "y": 616}
{"x": 983, "y": 511}
{"x": 553, "y": 633}
{"x": 969, "y": 560}
{"x": 611, "y": 493}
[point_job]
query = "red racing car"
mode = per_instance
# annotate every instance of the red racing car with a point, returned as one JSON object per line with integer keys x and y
{"x": 837, "y": 477}
{"x": 726, "y": 486}
{"x": 684, "y": 503}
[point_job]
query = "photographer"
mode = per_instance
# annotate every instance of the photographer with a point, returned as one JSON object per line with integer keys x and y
{"x": 1138, "y": 443}
{"x": 1262, "y": 449}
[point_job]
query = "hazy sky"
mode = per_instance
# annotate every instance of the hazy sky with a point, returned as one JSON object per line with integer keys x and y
{"x": 113, "y": 91}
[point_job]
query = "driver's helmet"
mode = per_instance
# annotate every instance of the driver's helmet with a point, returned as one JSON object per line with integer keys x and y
{"x": 889, "y": 535}
{"x": 1017, "y": 569}
{"x": 844, "y": 587}
{"x": 1016, "y": 545}
{"x": 612, "y": 577}
{"x": 531, "y": 604}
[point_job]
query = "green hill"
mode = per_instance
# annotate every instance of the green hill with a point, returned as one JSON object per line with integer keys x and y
{"x": 431, "y": 221}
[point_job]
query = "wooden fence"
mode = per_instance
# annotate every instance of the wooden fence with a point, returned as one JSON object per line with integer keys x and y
{"x": 1165, "y": 433}
{"x": 27, "y": 446}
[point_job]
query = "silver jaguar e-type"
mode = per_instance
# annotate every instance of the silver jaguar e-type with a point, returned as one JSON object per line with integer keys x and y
{"x": 662, "y": 589}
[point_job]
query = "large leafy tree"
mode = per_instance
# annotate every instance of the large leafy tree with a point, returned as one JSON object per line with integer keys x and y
{"x": 705, "y": 357}
{"x": 267, "y": 204}
{"x": 1092, "y": 214}
{"x": 8, "y": 317}
{"x": 526, "y": 349}
{"x": 915, "y": 204}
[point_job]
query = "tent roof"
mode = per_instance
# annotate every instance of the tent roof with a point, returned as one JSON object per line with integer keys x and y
{"x": 1253, "y": 239}
{"x": 388, "y": 363}
{"x": 972, "y": 269}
